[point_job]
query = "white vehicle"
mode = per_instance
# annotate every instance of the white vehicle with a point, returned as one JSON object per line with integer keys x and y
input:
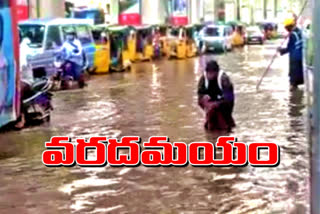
{"x": 217, "y": 37}
{"x": 254, "y": 35}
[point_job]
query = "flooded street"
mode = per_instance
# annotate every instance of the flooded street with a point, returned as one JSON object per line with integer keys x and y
{"x": 160, "y": 99}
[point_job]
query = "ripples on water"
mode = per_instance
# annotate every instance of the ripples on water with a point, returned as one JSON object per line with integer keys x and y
{"x": 160, "y": 99}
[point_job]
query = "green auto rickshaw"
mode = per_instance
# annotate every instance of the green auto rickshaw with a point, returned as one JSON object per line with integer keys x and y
{"x": 120, "y": 56}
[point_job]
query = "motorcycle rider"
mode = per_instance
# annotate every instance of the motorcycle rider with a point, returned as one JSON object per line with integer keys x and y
{"x": 75, "y": 57}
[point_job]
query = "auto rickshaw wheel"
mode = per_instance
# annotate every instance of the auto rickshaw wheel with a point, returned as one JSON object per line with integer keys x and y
{"x": 126, "y": 69}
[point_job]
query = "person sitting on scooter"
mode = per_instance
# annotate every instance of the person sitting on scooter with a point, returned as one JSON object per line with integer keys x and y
{"x": 74, "y": 56}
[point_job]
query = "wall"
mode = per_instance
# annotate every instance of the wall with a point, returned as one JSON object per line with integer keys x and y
{"x": 153, "y": 12}
{"x": 208, "y": 10}
{"x": 258, "y": 11}
{"x": 111, "y": 13}
{"x": 230, "y": 11}
{"x": 114, "y": 6}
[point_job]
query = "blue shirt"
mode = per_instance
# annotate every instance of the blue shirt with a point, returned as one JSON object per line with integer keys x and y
{"x": 295, "y": 45}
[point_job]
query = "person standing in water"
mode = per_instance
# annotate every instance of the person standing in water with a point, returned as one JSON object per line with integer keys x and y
{"x": 216, "y": 98}
{"x": 295, "y": 50}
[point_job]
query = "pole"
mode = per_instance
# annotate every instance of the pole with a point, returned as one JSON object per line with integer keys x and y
{"x": 29, "y": 9}
{"x": 275, "y": 8}
{"x": 252, "y": 12}
{"x": 315, "y": 164}
{"x": 38, "y": 8}
{"x": 265, "y": 9}
{"x": 238, "y": 10}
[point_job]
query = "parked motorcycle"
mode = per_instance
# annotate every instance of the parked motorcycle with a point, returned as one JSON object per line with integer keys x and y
{"x": 36, "y": 103}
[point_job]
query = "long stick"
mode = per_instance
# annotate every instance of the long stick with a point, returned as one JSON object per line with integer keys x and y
{"x": 276, "y": 54}
{"x": 268, "y": 68}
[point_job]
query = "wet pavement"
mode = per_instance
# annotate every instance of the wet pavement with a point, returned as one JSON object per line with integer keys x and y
{"x": 159, "y": 99}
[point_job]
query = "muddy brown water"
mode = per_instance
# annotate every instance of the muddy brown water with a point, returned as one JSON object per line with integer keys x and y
{"x": 159, "y": 99}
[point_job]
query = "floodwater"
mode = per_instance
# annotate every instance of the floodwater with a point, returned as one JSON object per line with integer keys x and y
{"x": 159, "y": 99}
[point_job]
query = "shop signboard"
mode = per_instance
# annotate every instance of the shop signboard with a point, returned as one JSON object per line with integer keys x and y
{"x": 129, "y": 12}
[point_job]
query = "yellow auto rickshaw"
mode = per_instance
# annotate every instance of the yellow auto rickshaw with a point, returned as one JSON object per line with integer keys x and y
{"x": 144, "y": 44}
{"x": 102, "y": 45}
{"x": 132, "y": 44}
{"x": 178, "y": 42}
{"x": 238, "y": 34}
{"x": 269, "y": 28}
{"x": 191, "y": 43}
{"x": 120, "y": 56}
{"x": 164, "y": 40}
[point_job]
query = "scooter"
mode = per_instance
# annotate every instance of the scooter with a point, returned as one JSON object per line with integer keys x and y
{"x": 37, "y": 102}
{"x": 64, "y": 80}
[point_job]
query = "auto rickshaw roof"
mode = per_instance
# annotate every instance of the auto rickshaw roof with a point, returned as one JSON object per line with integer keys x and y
{"x": 217, "y": 26}
{"x": 77, "y": 9}
{"x": 162, "y": 25}
{"x": 198, "y": 25}
{"x": 266, "y": 22}
{"x": 177, "y": 26}
{"x": 219, "y": 23}
{"x": 141, "y": 27}
{"x": 119, "y": 29}
{"x": 236, "y": 23}
{"x": 190, "y": 26}
{"x": 102, "y": 27}
{"x": 55, "y": 21}
{"x": 115, "y": 28}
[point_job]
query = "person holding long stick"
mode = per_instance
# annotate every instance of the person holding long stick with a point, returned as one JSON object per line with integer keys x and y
{"x": 295, "y": 18}
{"x": 295, "y": 50}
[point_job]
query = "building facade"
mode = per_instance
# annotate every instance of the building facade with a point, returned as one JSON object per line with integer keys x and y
{"x": 46, "y": 8}
{"x": 168, "y": 11}
{"x": 110, "y": 7}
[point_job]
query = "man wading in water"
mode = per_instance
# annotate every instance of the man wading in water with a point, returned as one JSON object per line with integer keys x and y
{"x": 295, "y": 50}
{"x": 216, "y": 98}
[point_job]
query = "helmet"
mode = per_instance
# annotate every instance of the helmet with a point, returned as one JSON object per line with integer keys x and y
{"x": 289, "y": 22}
{"x": 70, "y": 31}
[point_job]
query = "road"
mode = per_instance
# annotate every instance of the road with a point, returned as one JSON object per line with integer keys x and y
{"x": 159, "y": 99}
